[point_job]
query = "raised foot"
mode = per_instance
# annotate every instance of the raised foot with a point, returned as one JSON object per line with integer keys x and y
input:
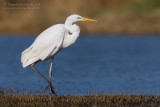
{"x": 51, "y": 88}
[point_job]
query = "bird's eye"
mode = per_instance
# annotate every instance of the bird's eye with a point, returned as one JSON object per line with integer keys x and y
{"x": 79, "y": 18}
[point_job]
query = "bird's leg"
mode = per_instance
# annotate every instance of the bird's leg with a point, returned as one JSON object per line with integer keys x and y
{"x": 50, "y": 70}
{"x": 50, "y": 84}
{"x": 50, "y": 75}
{"x": 32, "y": 66}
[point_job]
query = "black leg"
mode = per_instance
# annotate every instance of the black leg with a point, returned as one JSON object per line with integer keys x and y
{"x": 50, "y": 74}
{"x": 49, "y": 82}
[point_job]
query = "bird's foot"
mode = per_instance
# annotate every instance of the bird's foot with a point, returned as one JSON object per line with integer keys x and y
{"x": 51, "y": 88}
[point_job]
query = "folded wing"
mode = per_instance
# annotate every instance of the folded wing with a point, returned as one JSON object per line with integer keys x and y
{"x": 45, "y": 46}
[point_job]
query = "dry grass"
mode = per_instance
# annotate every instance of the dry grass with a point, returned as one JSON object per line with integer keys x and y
{"x": 42, "y": 100}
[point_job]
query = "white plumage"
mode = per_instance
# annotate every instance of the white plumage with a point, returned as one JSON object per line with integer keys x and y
{"x": 53, "y": 39}
{"x": 45, "y": 45}
{"x": 50, "y": 41}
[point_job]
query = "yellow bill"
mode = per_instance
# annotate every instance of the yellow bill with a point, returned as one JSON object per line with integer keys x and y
{"x": 92, "y": 20}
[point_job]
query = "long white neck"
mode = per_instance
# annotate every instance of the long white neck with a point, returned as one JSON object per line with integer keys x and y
{"x": 68, "y": 23}
{"x": 71, "y": 34}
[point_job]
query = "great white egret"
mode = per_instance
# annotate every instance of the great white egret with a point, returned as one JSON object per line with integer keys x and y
{"x": 50, "y": 42}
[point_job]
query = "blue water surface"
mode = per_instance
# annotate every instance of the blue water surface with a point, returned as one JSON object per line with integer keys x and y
{"x": 105, "y": 64}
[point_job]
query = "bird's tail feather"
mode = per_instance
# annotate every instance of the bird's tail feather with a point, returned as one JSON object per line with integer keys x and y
{"x": 25, "y": 56}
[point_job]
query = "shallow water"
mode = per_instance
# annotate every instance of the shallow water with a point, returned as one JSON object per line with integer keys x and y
{"x": 107, "y": 64}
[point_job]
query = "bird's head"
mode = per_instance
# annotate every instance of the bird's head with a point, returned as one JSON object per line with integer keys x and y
{"x": 75, "y": 18}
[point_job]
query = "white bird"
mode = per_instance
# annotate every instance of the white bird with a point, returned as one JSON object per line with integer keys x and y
{"x": 50, "y": 42}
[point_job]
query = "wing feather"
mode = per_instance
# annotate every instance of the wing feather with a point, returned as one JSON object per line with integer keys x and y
{"x": 46, "y": 43}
